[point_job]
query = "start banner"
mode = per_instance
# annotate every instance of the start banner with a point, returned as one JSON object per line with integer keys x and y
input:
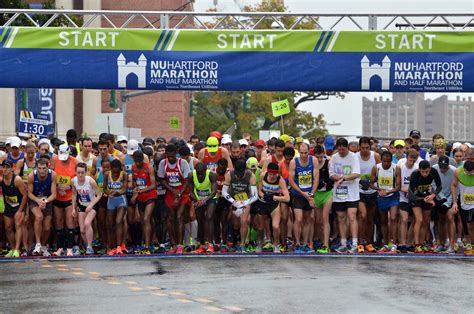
{"x": 270, "y": 60}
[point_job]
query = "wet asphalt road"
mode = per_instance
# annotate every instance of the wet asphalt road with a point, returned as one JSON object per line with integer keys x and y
{"x": 252, "y": 285}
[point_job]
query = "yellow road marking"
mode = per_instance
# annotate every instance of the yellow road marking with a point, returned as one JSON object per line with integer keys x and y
{"x": 177, "y": 293}
{"x": 184, "y": 300}
{"x": 213, "y": 308}
{"x": 160, "y": 294}
{"x": 115, "y": 283}
{"x": 135, "y": 288}
{"x": 131, "y": 282}
{"x": 93, "y": 273}
{"x": 62, "y": 269}
{"x": 77, "y": 273}
{"x": 153, "y": 288}
{"x": 234, "y": 308}
{"x": 203, "y": 300}
{"x": 76, "y": 268}
{"x": 96, "y": 278}
{"x": 61, "y": 265}
{"x": 46, "y": 266}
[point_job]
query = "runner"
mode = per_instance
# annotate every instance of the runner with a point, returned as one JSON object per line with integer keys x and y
{"x": 260, "y": 152}
{"x": 221, "y": 215}
{"x": 399, "y": 151}
{"x": 422, "y": 197}
{"x": 85, "y": 196}
{"x": 271, "y": 191}
{"x": 65, "y": 172}
{"x": 212, "y": 153}
{"x": 443, "y": 202}
{"x": 160, "y": 214}
{"x": 277, "y": 157}
{"x": 344, "y": 169}
{"x": 115, "y": 187}
{"x": 15, "y": 154}
{"x": 86, "y": 155}
{"x": 203, "y": 186}
{"x": 144, "y": 187}
{"x": 241, "y": 191}
{"x": 368, "y": 197}
{"x": 286, "y": 212}
{"x": 415, "y": 135}
{"x": 42, "y": 193}
{"x": 15, "y": 195}
{"x": 407, "y": 166}
{"x": 304, "y": 180}
{"x": 463, "y": 183}
{"x": 323, "y": 197}
{"x": 385, "y": 179}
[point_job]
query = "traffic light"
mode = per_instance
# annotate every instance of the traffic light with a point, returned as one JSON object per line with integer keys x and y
{"x": 192, "y": 106}
{"x": 113, "y": 99}
{"x": 246, "y": 102}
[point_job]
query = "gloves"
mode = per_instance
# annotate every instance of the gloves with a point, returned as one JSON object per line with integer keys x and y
{"x": 364, "y": 184}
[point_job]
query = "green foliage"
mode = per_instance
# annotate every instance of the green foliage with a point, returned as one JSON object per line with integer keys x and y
{"x": 41, "y": 19}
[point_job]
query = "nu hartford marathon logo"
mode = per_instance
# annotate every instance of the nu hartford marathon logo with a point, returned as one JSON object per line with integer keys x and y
{"x": 170, "y": 74}
{"x": 417, "y": 76}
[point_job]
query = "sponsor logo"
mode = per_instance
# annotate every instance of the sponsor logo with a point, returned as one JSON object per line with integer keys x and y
{"x": 125, "y": 69}
{"x": 382, "y": 71}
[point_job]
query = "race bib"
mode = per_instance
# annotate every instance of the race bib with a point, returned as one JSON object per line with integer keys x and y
{"x": 342, "y": 192}
{"x": 212, "y": 166}
{"x": 386, "y": 182}
{"x": 85, "y": 199}
{"x": 11, "y": 200}
{"x": 203, "y": 193}
{"x": 141, "y": 183}
{"x": 469, "y": 199}
{"x": 305, "y": 181}
{"x": 241, "y": 196}
{"x": 64, "y": 180}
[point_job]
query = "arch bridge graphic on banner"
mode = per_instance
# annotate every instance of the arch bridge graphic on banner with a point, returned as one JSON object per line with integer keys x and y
{"x": 283, "y": 58}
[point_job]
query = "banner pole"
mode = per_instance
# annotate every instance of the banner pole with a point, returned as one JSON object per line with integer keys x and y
{"x": 282, "y": 126}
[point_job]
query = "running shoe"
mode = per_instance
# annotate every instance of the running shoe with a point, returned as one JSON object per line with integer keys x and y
{"x": 172, "y": 250}
{"x": 59, "y": 252}
{"x": 241, "y": 249}
{"x": 250, "y": 248}
{"x": 394, "y": 249}
{"x": 384, "y": 249}
{"x": 89, "y": 251}
{"x": 419, "y": 249}
{"x": 45, "y": 251}
{"x": 450, "y": 250}
{"x": 258, "y": 248}
{"x": 145, "y": 251}
{"x": 210, "y": 248}
{"x": 112, "y": 252}
{"x": 123, "y": 247}
{"x": 360, "y": 249}
{"x": 69, "y": 252}
{"x": 342, "y": 249}
{"x": 24, "y": 253}
{"x": 308, "y": 249}
{"x": 425, "y": 248}
{"x": 76, "y": 251}
{"x": 161, "y": 249}
{"x": 317, "y": 244}
{"x": 9, "y": 254}
{"x": 440, "y": 249}
{"x": 223, "y": 248}
{"x": 200, "y": 250}
{"x": 102, "y": 251}
{"x": 37, "y": 250}
{"x": 323, "y": 250}
{"x": 15, "y": 253}
{"x": 370, "y": 248}
{"x": 179, "y": 249}
{"x": 268, "y": 247}
{"x": 276, "y": 249}
{"x": 282, "y": 248}
{"x": 403, "y": 249}
{"x": 353, "y": 249}
{"x": 298, "y": 249}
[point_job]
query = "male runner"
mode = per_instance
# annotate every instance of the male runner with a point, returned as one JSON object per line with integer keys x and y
{"x": 211, "y": 154}
{"x": 86, "y": 155}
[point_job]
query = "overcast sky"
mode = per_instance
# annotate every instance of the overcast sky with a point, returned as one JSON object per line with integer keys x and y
{"x": 351, "y": 106}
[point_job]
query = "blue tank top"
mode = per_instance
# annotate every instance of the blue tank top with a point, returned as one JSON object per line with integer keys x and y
{"x": 128, "y": 164}
{"x": 98, "y": 166}
{"x": 304, "y": 176}
{"x": 15, "y": 160}
{"x": 42, "y": 188}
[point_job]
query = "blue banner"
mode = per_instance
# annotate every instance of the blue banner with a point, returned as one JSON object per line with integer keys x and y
{"x": 36, "y": 104}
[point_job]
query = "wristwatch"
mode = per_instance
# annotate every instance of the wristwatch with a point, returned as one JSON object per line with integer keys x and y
{"x": 311, "y": 194}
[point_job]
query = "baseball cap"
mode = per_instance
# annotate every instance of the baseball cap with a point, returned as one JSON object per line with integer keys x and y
{"x": 443, "y": 162}
{"x": 329, "y": 142}
{"x": 148, "y": 141}
{"x": 239, "y": 167}
{"x": 216, "y": 134}
{"x": 122, "y": 138}
{"x": 15, "y": 142}
{"x": 243, "y": 142}
{"x": 468, "y": 144}
{"x": 415, "y": 133}
{"x": 298, "y": 140}
{"x": 285, "y": 138}
{"x": 260, "y": 142}
{"x": 456, "y": 145}
{"x": 226, "y": 140}
{"x": 63, "y": 152}
{"x": 399, "y": 143}
{"x": 252, "y": 163}
{"x": 7, "y": 163}
{"x": 44, "y": 141}
{"x": 440, "y": 143}
{"x": 132, "y": 147}
{"x": 212, "y": 144}
{"x": 273, "y": 135}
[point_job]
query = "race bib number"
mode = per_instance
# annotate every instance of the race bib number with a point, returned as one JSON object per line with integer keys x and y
{"x": 140, "y": 183}
{"x": 85, "y": 199}
{"x": 203, "y": 193}
{"x": 11, "y": 200}
{"x": 64, "y": 180}
{"x": 386, "y": 181}
{"x": 241, "y": 196}
{"x": 212, "y": 166}
{"x": 342, "y": 192}
{"x": 305, "y": 181}
{"x": 424, "y": 189}
{"x": 469, "y": 199}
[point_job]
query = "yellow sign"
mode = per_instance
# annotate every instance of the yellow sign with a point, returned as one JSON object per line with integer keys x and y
{"x": 280, "y": 108}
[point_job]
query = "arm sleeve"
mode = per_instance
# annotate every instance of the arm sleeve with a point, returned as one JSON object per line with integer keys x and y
{"x": 225, "y": 193}
{"x": 437, "y": 180}
{"x": 161, "y": 170}
{"x": 253, "y": 197}
{"x": 412, "y": 187}
{"x": 185, "y": 168}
